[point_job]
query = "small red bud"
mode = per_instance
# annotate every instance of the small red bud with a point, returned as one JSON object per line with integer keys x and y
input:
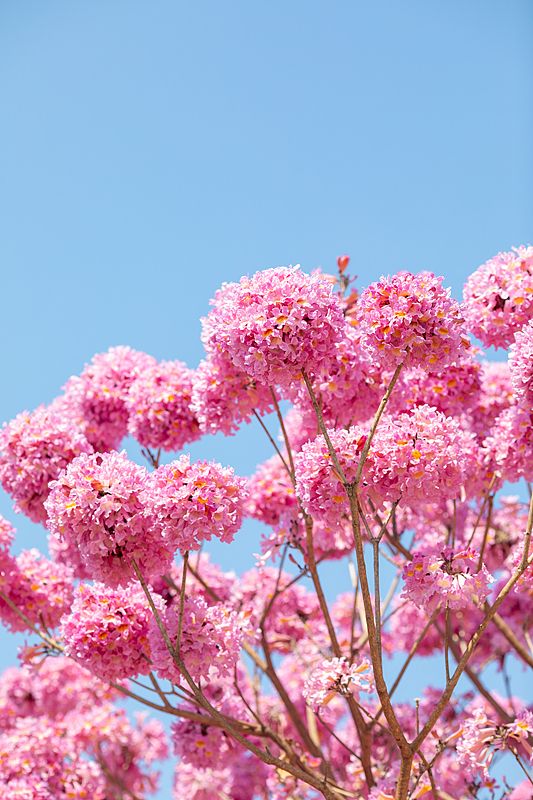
{"x": 342, "y": 263}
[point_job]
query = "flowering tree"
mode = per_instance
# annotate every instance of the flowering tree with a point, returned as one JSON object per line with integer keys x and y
{"x": 391, "y": 456}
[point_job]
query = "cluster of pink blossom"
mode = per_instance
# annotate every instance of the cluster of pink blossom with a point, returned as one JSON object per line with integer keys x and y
{"x": 97, "y": 398}
{"x": 275, "y": 324}
{"x": 521, "y": 365}
{"x": 453, "y": 578}
{"x": 269, "y": 675}
{"x": 498, "y": 297}
{"x": 270, "y": 492}
{"x": 190, "y": 503}
{"x": 412, "y": 320}
{"x": 79, "y": 748}
{"x": 159, "y": 406}
{"x": 208, "y": 643}
{"x": 418, "y": 456}
{"x": 223, "y": 396}
{"x": 34, "y": 449}
{"x": 481, "y": 737}
{"x": 336, "y": 676}
{"x": 453, "y": 391}
{"x": 106, "y": 631}
{"x": 100, "y": 503}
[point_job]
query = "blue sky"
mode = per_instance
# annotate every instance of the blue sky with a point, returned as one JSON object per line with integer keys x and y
{"x": 150, "y": 151}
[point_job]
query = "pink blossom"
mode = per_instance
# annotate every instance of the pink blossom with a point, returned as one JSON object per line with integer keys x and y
{"x": 201, "y": 745}
{"x": 159, "y": 406}
{"x": 100, "y": 504}
{"x": 508, "y": 449}
{"x": 270, "y": 492}
{"x": 498, "y": 297}
{"x": 193, "y": 502}
{"x": 34, "y": 449}
{"x": 223, "y": 396}
{"x": 410, "y": 319}
{"x": 275, "y": 324}
{"x": 451, "y": 578}
{"x": 210, "y": 641}
{"x": 521, "y": 365}
{"x": 106, "y": 631}
{"x": 336, "y": 676}
{"x": 495, "y": 396}
{"x": 98, "y": 396}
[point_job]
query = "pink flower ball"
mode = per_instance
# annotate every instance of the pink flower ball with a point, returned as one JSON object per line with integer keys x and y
{"x": 421, "y": 456}
{"x": 350, "y": 391}
{"x": 223, "y": 397}
{"x": 100, "y": 504}
{"x": 41, "y": 589}
{"x": 270, "y": 492}
{"x": 453, "y": 391}
{"x": 210, "y": 641}
{"x": 193, "y": 502}
{"x": 159, "y": 406}
{"x": 98, "y": 396}
{"x": 34, "y": 449}
{"x": 201, "y": 745}
{"x": 498, "y": 297}
{"x": 410, "y": 319}
{"x": 521, "y": 366}
{"x": 106, "y": 631}
{"x": 451, "y": 578}
{"x": 508, "y": 448}
{"x": 495, "y": 396}
{"x": 336, "y": 676}
{"x": 275, "y": 324}
{"x": 417, "y": 456}
{"x": 317, "y": 484}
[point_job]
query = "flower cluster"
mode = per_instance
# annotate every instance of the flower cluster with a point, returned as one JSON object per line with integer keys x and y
{"x": 159, "y": 406}
{"x": 209, "y": 645}
{"x": 97, "y": 398}
{"x": 275, "y": 324}
{"x": 412, "y": 320}
{"x": 106, "y": 631}
{"x": 34, "y": 449}
{"x": 270, "y": 492}
{"x": 99, "y": 503}
{"x": 223, "y": 396}
{"x": 521, "y": 365}
{"x": 191, "y": 503}
{"x": 453, "y": 578}
{"x": 336, "y": 676}
{"x": 498, "y": 297}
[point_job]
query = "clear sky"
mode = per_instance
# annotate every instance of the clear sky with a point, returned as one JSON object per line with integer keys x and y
{"x": 151, "y": 150}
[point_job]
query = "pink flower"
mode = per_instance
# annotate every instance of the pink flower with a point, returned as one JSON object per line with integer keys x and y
{"x": 210, "y": 641}
{"x": 201, "y": 745}
{"x": 498, "y": 297}
{"x": 34, "y": 449}
{"x": 451, "y": 578}
{"x": 336, "y": 676}
{"x": 275, "y": 324}
{"x": 270, "y": 492}
{"x": 508, "y": 449}
{"x": 521, "y": 365}
{"x": 193, "y": 502}
{"x": 495, "y": 396}
{"x": 410, "y": 319}
{"x": 417, "y": 456}
{"x": 98, "y": 396}
{"x": 452, "y": 391}
{"x": 106, "y": 631}
{"x": 223, "y": 396}
{"x": 100, "y": 505}
{"x": 159, "y": 406}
